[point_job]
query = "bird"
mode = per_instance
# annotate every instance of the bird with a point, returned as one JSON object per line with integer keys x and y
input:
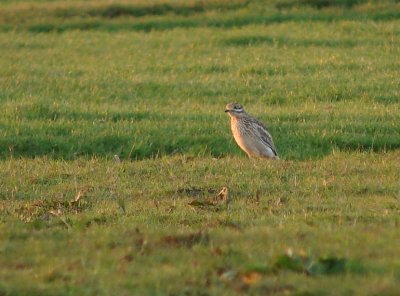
{"x": 250, "y": 134}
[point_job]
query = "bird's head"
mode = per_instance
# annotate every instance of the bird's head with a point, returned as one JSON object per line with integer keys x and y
{"x": 234, "y": 109}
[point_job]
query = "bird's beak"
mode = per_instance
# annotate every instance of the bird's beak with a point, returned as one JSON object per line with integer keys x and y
{"x": 226, "y": 110}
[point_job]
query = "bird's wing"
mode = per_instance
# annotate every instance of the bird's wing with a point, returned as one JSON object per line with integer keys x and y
{"x": 265, "y": 137}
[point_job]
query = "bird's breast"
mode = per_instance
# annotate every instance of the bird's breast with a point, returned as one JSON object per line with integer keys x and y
{"x": 239, "y": 133}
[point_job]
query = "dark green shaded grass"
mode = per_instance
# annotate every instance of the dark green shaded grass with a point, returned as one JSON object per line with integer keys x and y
{"x": 58, "y": 133}
{"x": 255, "y": 40}
{"x": 234, "y": 22}
{"x": 157, "y": 16}
{"x": 152, "y": 9}
{"x": 317, "y": 3}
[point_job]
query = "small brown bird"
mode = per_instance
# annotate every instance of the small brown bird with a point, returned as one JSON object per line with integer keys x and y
{"x": 250, "y": 134}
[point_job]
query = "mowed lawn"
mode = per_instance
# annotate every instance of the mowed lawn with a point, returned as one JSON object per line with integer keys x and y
{"x": 81, "y": 82}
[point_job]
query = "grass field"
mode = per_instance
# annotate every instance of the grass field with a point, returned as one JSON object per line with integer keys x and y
{"x": 82, "y": 81}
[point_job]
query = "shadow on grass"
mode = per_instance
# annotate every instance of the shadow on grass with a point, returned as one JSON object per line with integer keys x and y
{"x": 58, "y": 143}
{"x": 59, "y": 147}
{"x": 182, "y": 22}
{"x": 123, "y": 10}
{"x": 319, "y": 4}
{"x": 62, "y": 133}
{"x": 285, "y": 41}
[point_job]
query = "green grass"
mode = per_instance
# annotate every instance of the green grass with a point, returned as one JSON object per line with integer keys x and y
{"x": 148, "y": 80}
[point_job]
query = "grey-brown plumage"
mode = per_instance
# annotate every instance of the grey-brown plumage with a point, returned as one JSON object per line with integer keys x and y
{"x": 250, "y": 134}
